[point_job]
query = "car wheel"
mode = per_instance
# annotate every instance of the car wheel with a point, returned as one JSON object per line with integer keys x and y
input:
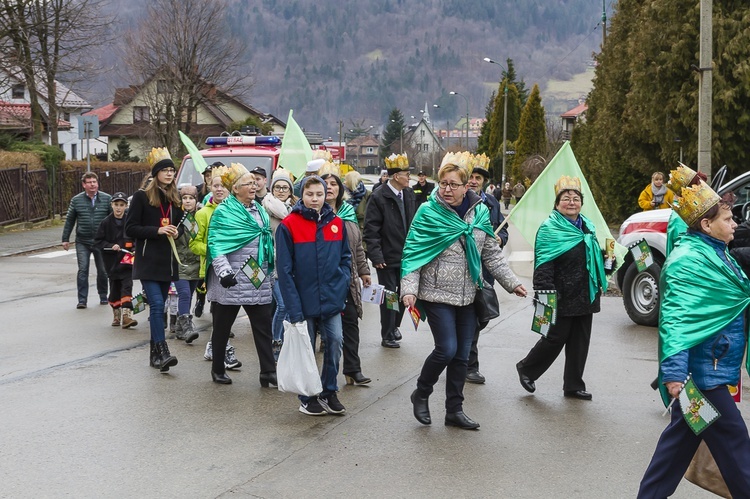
{"x": 640, "y": 294}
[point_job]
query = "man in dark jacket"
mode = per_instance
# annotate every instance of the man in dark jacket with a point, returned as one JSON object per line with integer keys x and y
{"x": 381, "y": 181}
{"x": 86, "y": 211}
{"x": 479, "y": 176}
{"x": 422, "y": 189}
{"x": 387, "y": 220}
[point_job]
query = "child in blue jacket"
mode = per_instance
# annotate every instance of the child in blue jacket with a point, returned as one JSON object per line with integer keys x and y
{"x": 313, "y": 263}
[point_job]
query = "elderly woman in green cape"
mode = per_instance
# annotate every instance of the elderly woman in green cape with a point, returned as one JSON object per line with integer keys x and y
{"x": 449, "y": 240}
{"x": 703, "y": 336}
{"x": 568, "y": 260}
{"x": 239, "y": 257}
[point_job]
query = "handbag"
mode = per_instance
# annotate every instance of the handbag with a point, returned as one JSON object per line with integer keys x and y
{"x": 296, "y": 370}
{"x": 486, "y": 305}
{"x": 704, "y": 473}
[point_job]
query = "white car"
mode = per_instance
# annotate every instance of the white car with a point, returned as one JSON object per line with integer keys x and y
{"x": 640, "y": 290}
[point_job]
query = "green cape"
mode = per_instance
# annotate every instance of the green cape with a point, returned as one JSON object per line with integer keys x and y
{"x": 700, "y": 296}
{"x": 435, "y": 227}
{"x": 675, "y": 228}
{"x": 233, "y": 227}
{"x": 347, "y": 213}
{"x": 557, "y": 235}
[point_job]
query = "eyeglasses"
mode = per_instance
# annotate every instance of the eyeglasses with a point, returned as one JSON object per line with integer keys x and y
{"x": 452, "y": 185}
{"x": 570, "y": 200}
{"x": 168, "y": 170}
{"x": 281, "y": 188}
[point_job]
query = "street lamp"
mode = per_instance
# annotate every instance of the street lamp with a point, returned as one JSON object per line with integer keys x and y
{"x": 505, "y": 110}
{"x": 467, "y": 117}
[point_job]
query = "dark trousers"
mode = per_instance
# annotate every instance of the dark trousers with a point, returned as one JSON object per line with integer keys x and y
{"x": 350, "y": 323}
{"x": 726, "y": 438}
{"x": 121, "y": 292}
{"x": 474, "y": 351}
{"x": 83, "y": 254}
{"x": 260, "y": 322}
{"x": 452, "y": 329}
{"x": 572, "y": 333}
{"x": 390, "y": 277}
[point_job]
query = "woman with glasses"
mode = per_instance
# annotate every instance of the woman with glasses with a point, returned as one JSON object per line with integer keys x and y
{"x": 278, "y": 205}
{"x": 153, "y": 220}
{"x": 239, "y": 261}
{"x": 449, "y": 240}
{"x": 568, "y": 260}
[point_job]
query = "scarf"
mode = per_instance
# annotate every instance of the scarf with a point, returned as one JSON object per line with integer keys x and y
{"x": 357, "y": 195}
{"x": 435, "y": 227}
{"x": 346, "y": 213}
{"x": 233, "y": 227}
{"x": 658, "y": 193}
{"x": 557, "y": 235}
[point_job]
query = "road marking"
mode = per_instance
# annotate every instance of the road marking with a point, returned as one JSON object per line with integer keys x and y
{"x": 54, "y": 254}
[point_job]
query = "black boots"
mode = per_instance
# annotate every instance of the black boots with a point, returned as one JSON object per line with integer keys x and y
{"x": 421, "y": 408}
{"x": 160, "y": 356}
{"x": 268, "y": 379}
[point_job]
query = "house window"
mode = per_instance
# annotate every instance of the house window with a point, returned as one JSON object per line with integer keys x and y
{"x": 18, "y": 91}
{"x": 162, "y": 118}
{"x": 369, "y": 162}
{"x": 74, "y": 151}
{"x": 426, "y": 147}
{"x": 66, "y": 117}
{"x": 369, "y": 150}
{"x": 141, "y": 114}
{"x": 162, "y": 87}
{"x": 422, "y": 132}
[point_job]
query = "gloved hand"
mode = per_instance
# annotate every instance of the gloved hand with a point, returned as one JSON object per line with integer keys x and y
{"x": 228, "y": 281}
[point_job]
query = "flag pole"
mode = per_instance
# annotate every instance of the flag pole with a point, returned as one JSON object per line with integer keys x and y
{"x": 675, "y": 398}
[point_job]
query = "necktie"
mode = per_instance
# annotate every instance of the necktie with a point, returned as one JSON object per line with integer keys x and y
{"x": 401, "y": 209}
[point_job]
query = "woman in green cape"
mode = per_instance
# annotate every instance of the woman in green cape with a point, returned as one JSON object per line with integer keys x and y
{"x": 449, "y": 240}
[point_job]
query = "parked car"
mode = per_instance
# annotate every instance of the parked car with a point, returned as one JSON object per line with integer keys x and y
{"x": 640, "y": 290}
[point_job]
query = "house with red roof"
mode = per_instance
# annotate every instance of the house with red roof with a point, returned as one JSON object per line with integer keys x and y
{"x": 571, "y": 118}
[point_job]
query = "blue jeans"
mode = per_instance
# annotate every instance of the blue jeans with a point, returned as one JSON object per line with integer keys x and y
{"x": 332, "y": 335}
{"x": 280, "y": 315}
{"x": 156, "y": 294}
{"x": 83, "y": 254}
{"x": 452, "y": 329}
{"x": 185, "y": 289}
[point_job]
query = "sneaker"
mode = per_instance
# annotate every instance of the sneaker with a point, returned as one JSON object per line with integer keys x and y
{"x": 230, "y": 360}
{"x": 331, "y": 404}
{"x": 81, "y": 306}
{"x": 276, "y": 349}
{"x": 209, "y": 355}
{"x": 312, "y": 408}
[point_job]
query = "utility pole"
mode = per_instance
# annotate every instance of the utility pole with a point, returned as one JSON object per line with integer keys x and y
{"x": 604, "y": 23}
{"x": 705, "y": 90}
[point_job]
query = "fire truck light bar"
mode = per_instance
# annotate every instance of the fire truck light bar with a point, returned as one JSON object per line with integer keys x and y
{"x": 244, "y": 140}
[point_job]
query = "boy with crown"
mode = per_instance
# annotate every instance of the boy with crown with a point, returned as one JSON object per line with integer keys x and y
{"x": 702, "y": 335}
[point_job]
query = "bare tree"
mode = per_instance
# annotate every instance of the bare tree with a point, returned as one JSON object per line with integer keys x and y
{"x": 182, "y": 56}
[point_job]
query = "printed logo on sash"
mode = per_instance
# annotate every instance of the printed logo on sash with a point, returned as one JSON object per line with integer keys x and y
{"x": 253, "y": 272}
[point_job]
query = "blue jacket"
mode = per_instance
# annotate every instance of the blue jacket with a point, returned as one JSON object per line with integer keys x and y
{"x": 716, "y": 361}
{"x": 313, "y": 262}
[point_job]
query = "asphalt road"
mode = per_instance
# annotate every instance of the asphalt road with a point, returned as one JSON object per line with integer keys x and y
{"x": 82, "y": 414}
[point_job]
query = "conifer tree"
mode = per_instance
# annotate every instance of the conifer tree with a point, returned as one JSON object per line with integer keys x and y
{"x": 393, "y": 133}
{"x": 532, "y": 135}
{"x": 123, "y": 152}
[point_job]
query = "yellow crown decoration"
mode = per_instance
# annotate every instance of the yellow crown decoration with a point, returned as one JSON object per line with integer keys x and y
{"x": 323, "y": 154}
{"x": 695, "y": 201}
{"x": 329, "y": 168}
{"x": 400, "y": 161}
{"x": 218, "y": 171}
{"x": 681, "y": 178}
{"x": 462, "y": 159}
{"x": 480, "y": 161}
{"x": 233, "y": 174}
{"x": 566, "y": 183}
{"x": 158, "y": 154}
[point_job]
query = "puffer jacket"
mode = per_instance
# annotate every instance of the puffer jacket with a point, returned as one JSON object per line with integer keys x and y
{"x": 244, "y": 292}
{"x": 86, "y": 217}
{"x": 191, "y": 263}
{"x": 359, "y": 264}
{"x": 313, "y": 263}
{"x": 647, "y": 195}
{"x": 200, "y": 241}
{"x": 446, "y": 279}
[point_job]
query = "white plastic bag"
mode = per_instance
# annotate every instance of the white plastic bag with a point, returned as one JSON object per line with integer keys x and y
{"x": 296, "y": 370}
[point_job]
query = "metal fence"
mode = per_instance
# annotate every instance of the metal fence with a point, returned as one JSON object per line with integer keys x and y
{"x": 33, "y": 195}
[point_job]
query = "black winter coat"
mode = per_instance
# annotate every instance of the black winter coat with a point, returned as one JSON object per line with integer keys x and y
{"x": 109, "y": 234}
{"x": 567, "y": 275}
{"x": 422, "y": 193}
{"x": 154, "y": 260}
{"x": 496, "y": 219}
{"x": 385, "y": 233}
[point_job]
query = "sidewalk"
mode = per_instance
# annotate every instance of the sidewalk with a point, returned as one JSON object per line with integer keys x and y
{"x": 21, "y": 241}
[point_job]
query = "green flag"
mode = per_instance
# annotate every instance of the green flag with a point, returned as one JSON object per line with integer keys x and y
{"x": 198, "y": 161}
{"x": 696, "y": 409}
{"x": 536, "y": 205}
{"x": 295, "y": 149}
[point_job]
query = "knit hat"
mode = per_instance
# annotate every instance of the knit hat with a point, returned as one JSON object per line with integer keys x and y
{"x": 189, "y": 190}
{"x": 281, "y": 175}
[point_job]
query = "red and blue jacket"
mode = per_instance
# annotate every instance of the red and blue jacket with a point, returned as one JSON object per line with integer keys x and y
{"x": 313, "y": 262}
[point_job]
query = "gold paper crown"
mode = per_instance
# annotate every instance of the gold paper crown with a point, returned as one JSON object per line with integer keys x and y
{"x": 233, "y": 174}
{"x": 157, "y": 154}
{"x": 329, "y": 168}
{"x": 400, "y": 161}
{"x": 323, "y": 154}
{"x": 480, "y": 161}
{"x": 566, "y": 183}
{"x": 218, "y": 171}
{"x": 695, "y": 201}
{"x": 680, "y": 178}
{"x": 462, "y": 159}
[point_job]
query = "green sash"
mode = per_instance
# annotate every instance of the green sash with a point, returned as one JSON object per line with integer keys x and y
{"x": 675, "y": 228}
{"x": 557, "y": 235}
{"x": 347, "y": 213}
{"x": 233, "y": 227}
{"x": 701, "y": 295}
{"x": 435, "y": 227}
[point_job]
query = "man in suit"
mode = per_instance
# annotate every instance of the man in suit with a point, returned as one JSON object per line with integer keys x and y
{"x": 387, "y": 220}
